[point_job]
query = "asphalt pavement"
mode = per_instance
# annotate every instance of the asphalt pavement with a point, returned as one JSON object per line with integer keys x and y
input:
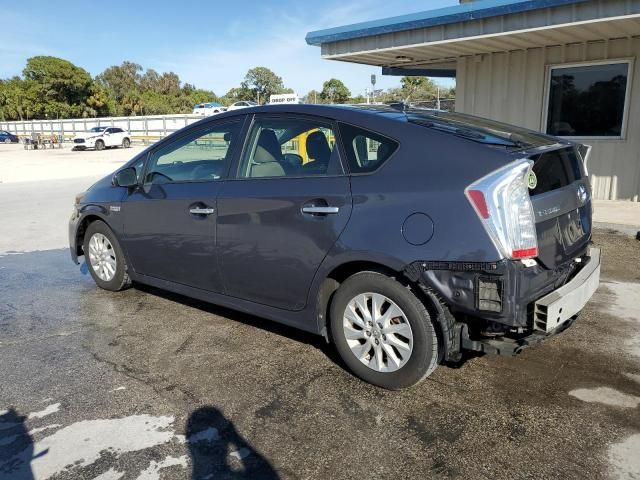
{"x": 144, "y": 384}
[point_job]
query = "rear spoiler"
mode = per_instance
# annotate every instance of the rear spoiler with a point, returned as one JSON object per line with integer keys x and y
{"x": 584, "y": 151}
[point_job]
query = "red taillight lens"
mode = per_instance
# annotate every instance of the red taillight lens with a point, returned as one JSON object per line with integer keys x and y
{"x": 477, "y": 198}
{"x": 501, "y": 200}
{"x": 525, "y": 253}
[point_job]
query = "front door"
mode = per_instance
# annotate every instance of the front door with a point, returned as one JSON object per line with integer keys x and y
{"x": 170, "y": 219}
{"x": 283, "y": 212}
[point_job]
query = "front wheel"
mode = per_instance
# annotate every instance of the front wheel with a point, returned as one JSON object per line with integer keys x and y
{"x": 99, "y": 145}
{"x": 7, "y": 140}
{"x": 383, "y": 332}
{"x": 126, "y": 143}
{"x": 105, "y": 258}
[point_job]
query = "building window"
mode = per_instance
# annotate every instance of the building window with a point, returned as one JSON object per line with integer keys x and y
{"x": 588, "y": 100}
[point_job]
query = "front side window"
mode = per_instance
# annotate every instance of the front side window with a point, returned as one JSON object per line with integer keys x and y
{"x": 588, "y": 100}
{"x": 200, "y": 156}
{"x": 366, "y": 150}
{"x": 290, "y": 147}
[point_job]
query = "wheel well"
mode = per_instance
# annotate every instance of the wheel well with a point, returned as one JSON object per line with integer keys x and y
{"x": 82, "y": 228}
{"x": 338, "y": 275}
{"x": 342, "y": 272}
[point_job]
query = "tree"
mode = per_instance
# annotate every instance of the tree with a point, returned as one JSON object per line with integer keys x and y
{"x": 121, "y": 80}
{"x": 312, "y": 97}
{"x": 17, "y": 99}
{"x": 418, "y": 88}
{"x": 263, "y": 83}
{"x": 58, "y": 79}
{"x": 334, "y": 91}
{"x": 358, "y": 99}
{"x": 198, "y": 95}
{"x": 100, "y": 102}
{"x": 237, "y": 95}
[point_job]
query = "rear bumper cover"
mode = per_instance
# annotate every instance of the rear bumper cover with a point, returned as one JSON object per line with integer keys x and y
{"x": 553, "y": 314}
{"x": 536, "y": 304}
{"x": 516, "y": 287}
{"x": 557, "y": 307}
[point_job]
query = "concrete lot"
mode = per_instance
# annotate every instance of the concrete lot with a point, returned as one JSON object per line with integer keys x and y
{"x": 144, "y": 384}
{"x": 20, "y": 165}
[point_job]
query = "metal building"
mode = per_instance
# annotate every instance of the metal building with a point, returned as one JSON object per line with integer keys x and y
{"x": 566, "y": 67}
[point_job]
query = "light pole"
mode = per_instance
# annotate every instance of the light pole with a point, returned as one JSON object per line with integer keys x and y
{"x": 373, "y": 88}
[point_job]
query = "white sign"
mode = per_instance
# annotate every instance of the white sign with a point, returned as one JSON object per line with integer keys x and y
{"x": 284, "y": 98}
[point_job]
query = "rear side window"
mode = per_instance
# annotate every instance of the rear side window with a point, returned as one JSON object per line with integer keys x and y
{"x": 366, "y": 150}
{"x": 556, "y": 169}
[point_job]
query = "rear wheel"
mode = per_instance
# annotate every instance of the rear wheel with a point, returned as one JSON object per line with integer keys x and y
{"x": 104, "y": 257}
{"x": 99, "y": 145}
{"x": 7, "y": 140}
{"x": 383, "y": 332}
{"x": 126, "y": 143}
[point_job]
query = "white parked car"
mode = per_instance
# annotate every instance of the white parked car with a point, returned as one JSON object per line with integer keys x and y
{"x": 206, "y": 109}
{"x": 101, "y": 138}
{"x": 243, "y": 104}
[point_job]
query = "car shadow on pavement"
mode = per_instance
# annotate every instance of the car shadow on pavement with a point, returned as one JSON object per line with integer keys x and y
{"x": 219, "y": 451}
{"x": 16, "y": 447}
{"x": 276, "y": 328}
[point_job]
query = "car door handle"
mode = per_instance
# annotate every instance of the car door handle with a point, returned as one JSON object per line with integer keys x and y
{"x": 321, "y": 210}
{"x": 201, "y": 211}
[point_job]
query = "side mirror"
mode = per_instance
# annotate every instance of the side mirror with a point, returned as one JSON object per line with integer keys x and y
{"x": 125, "y": 178}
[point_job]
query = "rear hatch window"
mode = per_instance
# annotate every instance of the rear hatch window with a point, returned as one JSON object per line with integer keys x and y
{"x": 555, "y": 169}
{"x": 561, "y": 204}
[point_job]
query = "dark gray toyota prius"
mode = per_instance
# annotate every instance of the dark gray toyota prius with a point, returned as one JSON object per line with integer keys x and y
{"x": 404, "y": 236}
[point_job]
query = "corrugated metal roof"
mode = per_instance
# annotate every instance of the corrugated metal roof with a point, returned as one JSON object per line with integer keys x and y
{"x": 442, "y": 16}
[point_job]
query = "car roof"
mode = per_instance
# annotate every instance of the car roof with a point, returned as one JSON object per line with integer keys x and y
{"x": 462, "y": 125}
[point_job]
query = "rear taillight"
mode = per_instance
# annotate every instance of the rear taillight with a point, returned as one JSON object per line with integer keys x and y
{"x": 501, "y": 200}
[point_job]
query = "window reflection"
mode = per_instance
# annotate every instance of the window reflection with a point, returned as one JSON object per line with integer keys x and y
{"x": 587, "y": 101}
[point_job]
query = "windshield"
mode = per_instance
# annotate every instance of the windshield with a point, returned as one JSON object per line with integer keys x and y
{"x": 97, "y": 129}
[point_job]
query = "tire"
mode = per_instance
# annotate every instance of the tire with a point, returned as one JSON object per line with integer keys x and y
{"x": 99, "y": 145}
{"x": 7, "y": 140}
{"x": 418, "y": 361}
{"x": 126, "y": 143}
{"x": 119, "y": 279}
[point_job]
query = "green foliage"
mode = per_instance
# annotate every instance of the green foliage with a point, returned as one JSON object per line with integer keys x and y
{"x": 120, "y": 80}
{"x": 52, "y": 87}
{"x": 263, "y": 83}
{"x": 312, "y": 97}
{"x": 334, "y": 91}
{"x": 237, "y": 95}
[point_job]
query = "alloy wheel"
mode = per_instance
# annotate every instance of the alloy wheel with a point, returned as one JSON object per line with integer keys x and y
{"x": 102, "y": 257}
{"x": 378, "y": 332}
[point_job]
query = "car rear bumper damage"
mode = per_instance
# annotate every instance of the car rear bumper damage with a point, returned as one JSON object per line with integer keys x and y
{"x": 504, "y": 307}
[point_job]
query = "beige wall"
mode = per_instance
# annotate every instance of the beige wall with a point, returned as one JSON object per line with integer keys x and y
{"x": 510, "y": 87}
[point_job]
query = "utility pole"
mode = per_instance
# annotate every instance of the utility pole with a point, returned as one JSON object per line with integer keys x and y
{"x": 438, "y": 104}
{"x": 373, "y": 88}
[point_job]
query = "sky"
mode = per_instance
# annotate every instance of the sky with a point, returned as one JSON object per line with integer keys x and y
{"x": 209, "y": 44}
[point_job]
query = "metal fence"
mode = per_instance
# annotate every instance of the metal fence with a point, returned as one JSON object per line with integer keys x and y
{"x": 146, "y": 129}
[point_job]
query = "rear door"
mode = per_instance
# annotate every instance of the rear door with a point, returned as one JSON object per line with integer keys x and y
{"x": 117, "y": 135}
{"x": 562, "y": 206}
{"x": 169, "y": 220}
{"x": 284, "y": 211}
